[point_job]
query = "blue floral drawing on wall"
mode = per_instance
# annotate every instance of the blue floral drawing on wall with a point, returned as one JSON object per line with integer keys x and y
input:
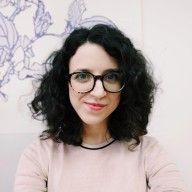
{"x": 16, "y": 50}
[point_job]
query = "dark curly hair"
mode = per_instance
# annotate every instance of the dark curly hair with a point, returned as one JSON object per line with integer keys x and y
{"x": 128, "y": 121}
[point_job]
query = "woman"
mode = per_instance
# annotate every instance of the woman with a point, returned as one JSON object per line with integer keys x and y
{"x": 96, "y": 99}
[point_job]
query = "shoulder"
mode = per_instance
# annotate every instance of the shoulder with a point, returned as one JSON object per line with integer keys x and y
{"x": 153, "y": 150}
{"x": 148, "y": 141}
{"x": 150, "y": 148}
{"x": 42, "y": 147}
{"x": 161, "y": 170}
{"x": 155, "y": 155}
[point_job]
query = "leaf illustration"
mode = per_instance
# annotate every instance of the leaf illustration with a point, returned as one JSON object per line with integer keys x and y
{"x": 4, "y": 3}
{"x": 88, "y": 22}
{"x": 40, "y": 10}
{"x": 29, "y": 52}
{"x": 76, "y": 10}
{"x": 42, "y": 20}
{"x": 8, "y": 32}
{"x": 3, "y": 55}
{"x": 26, "y": 41}
{"x": 6, "y": 72}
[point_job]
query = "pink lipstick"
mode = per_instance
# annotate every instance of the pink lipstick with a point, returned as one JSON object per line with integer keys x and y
{"x": 96, "y": 106}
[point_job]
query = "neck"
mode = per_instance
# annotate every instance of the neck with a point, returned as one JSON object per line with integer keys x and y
{"x": 95, "y": 134}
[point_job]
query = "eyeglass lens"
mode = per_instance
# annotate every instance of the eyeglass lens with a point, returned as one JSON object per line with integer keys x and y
{"x": 83, "y": 82}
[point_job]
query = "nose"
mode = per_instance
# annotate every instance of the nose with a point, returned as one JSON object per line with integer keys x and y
{"x": 98, "y": 90}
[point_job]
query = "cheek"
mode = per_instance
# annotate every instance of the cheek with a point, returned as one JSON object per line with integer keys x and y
{"x": 74, "y": 98}
{"x": 115, "y": 100}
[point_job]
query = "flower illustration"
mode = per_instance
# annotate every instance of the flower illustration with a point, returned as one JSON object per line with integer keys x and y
{"x": 8, "y": 36}
{"x": 42, "y": 20}
{"x": 17, "y": 54}
{"x": 4, "y": 3}
{"x": 3, "y": 54}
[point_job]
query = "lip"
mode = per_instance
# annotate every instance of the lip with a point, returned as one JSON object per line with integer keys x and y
{"x": 95, "y": 106}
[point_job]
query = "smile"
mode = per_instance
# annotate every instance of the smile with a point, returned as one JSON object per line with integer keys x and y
{"x": 95, "y": 106}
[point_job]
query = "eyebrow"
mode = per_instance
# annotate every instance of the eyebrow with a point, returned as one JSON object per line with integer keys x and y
{"x": 105, "y": 71}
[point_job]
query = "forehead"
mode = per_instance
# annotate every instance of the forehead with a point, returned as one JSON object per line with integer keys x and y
{"x": 92, "y": 57}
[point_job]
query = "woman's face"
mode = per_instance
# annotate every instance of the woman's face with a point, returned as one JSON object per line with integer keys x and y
{"x": 95, "y": 106}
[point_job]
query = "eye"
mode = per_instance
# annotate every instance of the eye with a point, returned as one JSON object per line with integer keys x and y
{"x": 112, "y": 77}
{"x": 82, "y": 76}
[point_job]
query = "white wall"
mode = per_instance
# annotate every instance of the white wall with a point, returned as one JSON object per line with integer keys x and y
{"x": 167, "y": 40}
{"x": 161, "y": 29}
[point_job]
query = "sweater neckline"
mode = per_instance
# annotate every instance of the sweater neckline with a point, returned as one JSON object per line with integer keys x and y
{"x": 98, "y": 146}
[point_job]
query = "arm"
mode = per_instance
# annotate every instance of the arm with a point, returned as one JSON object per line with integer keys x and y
{"x": 32, "y": 170}
{"x": 162, "y": 174}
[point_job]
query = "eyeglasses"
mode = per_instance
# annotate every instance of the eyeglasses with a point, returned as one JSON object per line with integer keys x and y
{"x": 84, "y": 82}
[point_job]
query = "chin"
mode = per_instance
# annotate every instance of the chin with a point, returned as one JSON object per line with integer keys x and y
{"x": 93, "y": 121}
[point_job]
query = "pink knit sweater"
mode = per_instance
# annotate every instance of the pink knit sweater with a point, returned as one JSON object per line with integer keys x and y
{"x": 57, "y": 167}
